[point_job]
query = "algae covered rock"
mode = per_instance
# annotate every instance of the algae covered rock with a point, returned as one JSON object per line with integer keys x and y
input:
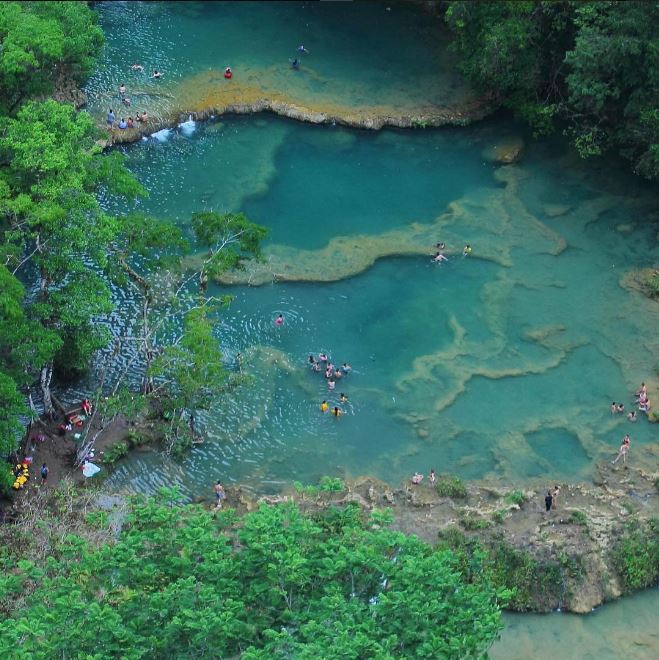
{"x": 505, "y": 151}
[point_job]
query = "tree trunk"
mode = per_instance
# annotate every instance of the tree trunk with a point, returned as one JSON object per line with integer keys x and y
{"x": 44, "y": 380}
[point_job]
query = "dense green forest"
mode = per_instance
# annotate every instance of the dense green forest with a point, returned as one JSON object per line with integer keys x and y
{"x": 588, "y": 68}
{"x": 181, "y": 581}
{"x": 61, "y": 253}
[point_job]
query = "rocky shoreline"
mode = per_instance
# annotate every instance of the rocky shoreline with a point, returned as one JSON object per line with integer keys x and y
{"x": 574, "y": 546}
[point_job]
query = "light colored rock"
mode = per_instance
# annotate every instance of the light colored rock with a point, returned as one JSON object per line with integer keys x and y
{"x": 505, "y": 151}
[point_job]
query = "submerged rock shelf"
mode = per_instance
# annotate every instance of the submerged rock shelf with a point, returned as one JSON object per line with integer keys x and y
{"x": 202, "y": 98}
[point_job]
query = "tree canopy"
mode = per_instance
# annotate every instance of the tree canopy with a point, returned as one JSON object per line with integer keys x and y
{"x": 43, "y": 42}
{"x": 589, "y": 66}
{"x": 276, "y": 583}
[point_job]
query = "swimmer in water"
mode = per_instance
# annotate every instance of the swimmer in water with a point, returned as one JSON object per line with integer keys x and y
{"x": 439, "y": 257}
{"x": 295, "y": 64}
{"x": 614, "y": 408}
{"x": 302, "y": 49}
{"x": 632, "y": 416}
{"x": 467, "y": 250}
{"x": 324, "y": 407}
{"x": 137, "y": 67}
{"x": 279, "y": 321}
{"x": 331, "y": 383}
{"x": 122, "y": 89}
{"x": 323, "y": 357}
{"x": 337, "y": 412}
{"x": 343, "y": 398}
{"x": 346, "y": 368}
{"x": 156, "y": 74}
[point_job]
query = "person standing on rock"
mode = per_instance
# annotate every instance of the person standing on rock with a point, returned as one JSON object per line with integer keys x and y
{"x": 432, "y": 476}
{"x": 622, "y": 452}
{"x": 554, "y": 495}
{"x": 219, "y": 494}
{"x": 548, "y": 501}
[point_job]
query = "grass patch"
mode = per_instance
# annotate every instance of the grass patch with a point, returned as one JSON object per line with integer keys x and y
{"x": 473, "y": 523}
{"x": 516, "y": 497}
{"x": 578, "y": 518}
{"x": 499, "y": 516}
{"x": 450, "y": 486}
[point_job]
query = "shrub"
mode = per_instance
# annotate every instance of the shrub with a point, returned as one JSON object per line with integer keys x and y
{"x": 450, "y": 486}
{"x": 499, "y": 516}
{"x": 331, "y": 484}
{"x": 578, "y": 518}
{"x": 115, "y": 452}
{"x": 516, "y": 497}
{"x": 473, "y": 523}
{"x": 636, "y": 555}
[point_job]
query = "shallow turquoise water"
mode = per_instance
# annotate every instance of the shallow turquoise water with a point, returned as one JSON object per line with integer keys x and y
{"x": 625, "y": 629}
{"x": 403, "y": 63}
{"x": 500, "y": 367}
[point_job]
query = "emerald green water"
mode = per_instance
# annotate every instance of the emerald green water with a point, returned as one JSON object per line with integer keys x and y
{"x": 625, "y": 629}
{"x": 403, "y": 63}
{"x": 500, "y": 366}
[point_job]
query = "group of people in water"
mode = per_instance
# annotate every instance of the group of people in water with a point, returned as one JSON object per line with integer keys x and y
{"x": 640, "y": 399}
{"x": 332, "y": 374}
{"x": 439, "y": 255}
{"x": 125, "y": 123}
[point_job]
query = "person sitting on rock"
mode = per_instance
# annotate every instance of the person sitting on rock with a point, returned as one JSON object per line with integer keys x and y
{"x": 417, "y": 478}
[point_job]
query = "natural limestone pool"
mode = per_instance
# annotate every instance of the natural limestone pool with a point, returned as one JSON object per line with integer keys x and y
{"x": 363, "y": 60}
{"x": 501, "y": 365}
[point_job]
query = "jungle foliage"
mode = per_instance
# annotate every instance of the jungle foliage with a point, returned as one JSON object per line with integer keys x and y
{"x": 275, "y": 583}
{"x": 591, "y": 67}
{"x": 61, "y": 253}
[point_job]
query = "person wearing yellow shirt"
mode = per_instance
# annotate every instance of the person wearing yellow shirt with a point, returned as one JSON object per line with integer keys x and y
{"x": 324, "y": 407}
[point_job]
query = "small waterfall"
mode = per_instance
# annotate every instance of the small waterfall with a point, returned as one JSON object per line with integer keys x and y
{"x": 163, "y": 135}
{"x": 188, "y": 127}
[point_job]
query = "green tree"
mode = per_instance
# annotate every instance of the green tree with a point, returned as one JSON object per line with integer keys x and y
{"x": 190, "y": 372}
{"x": 514, "y": 52}
{"x": 613, "y": 82}
{"x": 42, "y": 43}
{"x": 50, "y": 172}
{"x": 593, "y": 65}
{"x": 273, "y": 584}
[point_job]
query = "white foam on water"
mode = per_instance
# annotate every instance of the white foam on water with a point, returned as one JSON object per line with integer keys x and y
{"x": 188, "y": 127}
{"x": 162, "y": 135}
